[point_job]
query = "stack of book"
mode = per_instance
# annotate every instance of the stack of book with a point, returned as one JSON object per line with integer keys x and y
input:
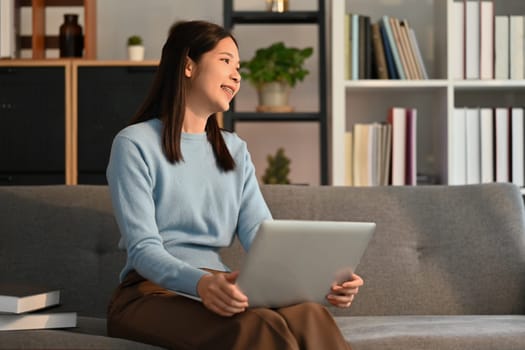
{"x": 24, "y": 307}
{"x": 487, "y": 145}
{"x": 387, "y": 49}
{"x": 486, "y": 46}
{"x": 383, "y": 153}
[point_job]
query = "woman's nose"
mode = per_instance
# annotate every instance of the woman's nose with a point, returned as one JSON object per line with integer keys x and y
{"x": 236, "y": 76}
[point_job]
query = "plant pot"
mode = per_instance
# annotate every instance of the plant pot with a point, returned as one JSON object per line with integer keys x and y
{"x": 273, "y": 97}
{"x": 136, "y": 52}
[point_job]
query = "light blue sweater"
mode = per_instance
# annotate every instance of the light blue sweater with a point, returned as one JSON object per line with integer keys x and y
{"x": 174, "y": 218}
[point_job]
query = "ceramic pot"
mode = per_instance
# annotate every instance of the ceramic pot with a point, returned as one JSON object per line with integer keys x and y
{"x": 136, "y": 52}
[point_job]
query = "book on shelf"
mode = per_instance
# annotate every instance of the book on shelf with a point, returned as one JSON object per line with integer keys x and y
{"x": 458, "y": 40}
{"x": 516, "y": 47}
{"x": 391, "y": 42}
{"x": 517, "y": 145}
{"x": 486, "y": 50}
{"x": 411, "y": 147}
{"x": 397, "y": 118}
{"x": 389, "y": 58}
{"x": 371, "y": 154}
{"x": 501, "y": 47}
{"x": 486, "y": 116}
{"x": 471, "y": 33}
{"x": 7, "y": 29}
{"x": 502, "y": 144}
{"x": 487, "y": 145}
{"x": 18, "y": 298}
{"x": 24, "y": 306}
{"x": 379, "y": 52}
{"x": 458, "y": 148}
{"x": 473, "y": 145}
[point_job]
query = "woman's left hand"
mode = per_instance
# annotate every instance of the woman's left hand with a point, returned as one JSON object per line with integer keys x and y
{"x": 342, "y": 295}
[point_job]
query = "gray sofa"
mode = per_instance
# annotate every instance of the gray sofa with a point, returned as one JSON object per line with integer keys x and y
{"x": 445, "y": 269}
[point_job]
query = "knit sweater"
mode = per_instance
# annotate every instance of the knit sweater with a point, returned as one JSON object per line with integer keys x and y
{"x": 174, "y": 218}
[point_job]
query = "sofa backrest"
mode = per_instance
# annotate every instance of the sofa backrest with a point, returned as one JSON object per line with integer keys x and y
{"x": 436, "y": 250}
{"x": 61, "y": 237}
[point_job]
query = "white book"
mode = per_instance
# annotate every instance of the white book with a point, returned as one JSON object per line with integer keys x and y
{"x": 38, "y": 320}
{"x": 397, "y": 117}
{"x": 7, "y": 29}
{"x": 458, "y": 152}
{"x": 472, "y": 22}
{"x": 419, "y": 56}
{"x": 361, "y": 163}
{"x": 374, "y": 152}
{"x": 487, "y": 144}
{"x": 18, "y": 298}
{"x": 516, "y": 47}
{"x": 517, "y": 146}
{"x": 501, "y": 47}
{"x": 473, "y": 151}
{"x": 502, "y": 144}
{"x": 458, "y": 40}
{"x": 487, "y": 39}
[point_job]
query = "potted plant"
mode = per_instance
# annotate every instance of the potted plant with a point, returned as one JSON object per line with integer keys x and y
{"x": 273, "y": 71}
{"x": 278, "y": 168}
{"x": 135, "y": 48}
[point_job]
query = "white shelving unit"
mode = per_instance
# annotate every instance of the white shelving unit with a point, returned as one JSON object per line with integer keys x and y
{"x": 368, "y": 100}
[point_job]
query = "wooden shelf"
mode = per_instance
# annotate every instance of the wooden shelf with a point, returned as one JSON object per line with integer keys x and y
{"x": 38, "y": 41}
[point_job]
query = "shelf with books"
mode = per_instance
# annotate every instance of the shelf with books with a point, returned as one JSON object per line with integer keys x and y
{"x": 355, "y": 101}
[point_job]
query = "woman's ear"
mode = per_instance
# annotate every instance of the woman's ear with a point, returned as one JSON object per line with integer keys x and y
{"x": 189, "y": 67}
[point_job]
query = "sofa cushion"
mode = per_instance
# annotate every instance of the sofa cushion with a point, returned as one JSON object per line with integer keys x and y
{"x": 434, "y": 332}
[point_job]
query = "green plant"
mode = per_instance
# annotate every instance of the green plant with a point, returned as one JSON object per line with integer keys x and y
{"x": 276, "y": 63}
{"x": 134, "y": 40}
{"x": 278, "y": 168}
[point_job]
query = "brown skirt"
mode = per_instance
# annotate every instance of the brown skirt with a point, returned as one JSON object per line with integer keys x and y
{"x": 143, "y": 311}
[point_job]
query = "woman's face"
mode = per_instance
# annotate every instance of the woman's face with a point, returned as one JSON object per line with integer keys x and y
{"x": 215, "y": 79}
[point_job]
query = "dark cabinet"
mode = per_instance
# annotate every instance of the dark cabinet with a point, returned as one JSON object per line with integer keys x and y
{"x": 59, "y": 117}
{"x": 107, "y": 98}
{"x": 33, "y": 118}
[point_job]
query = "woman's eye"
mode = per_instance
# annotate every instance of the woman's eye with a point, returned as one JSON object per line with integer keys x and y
{"x": 227, "y": 60}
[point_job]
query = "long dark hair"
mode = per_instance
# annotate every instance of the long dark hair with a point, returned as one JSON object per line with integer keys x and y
{"x": 166, "y": 98}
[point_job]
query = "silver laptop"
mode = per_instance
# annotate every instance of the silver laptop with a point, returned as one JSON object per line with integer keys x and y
{"x": 293, "y": 261}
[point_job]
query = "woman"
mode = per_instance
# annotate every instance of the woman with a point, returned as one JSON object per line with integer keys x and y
{"x": 181, "y": 188}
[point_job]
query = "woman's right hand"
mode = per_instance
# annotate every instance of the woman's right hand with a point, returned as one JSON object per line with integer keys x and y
{"x": 220, "y": 294}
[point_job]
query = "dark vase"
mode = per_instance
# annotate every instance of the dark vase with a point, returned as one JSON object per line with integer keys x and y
{"x": 71, "y": 39}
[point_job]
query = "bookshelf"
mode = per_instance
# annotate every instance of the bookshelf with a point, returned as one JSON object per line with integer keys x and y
{"x": 355, "y": 101}
{"x": 309, "y": 121}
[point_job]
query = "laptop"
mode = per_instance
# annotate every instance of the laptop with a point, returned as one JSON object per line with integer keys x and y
{"x": 293, "y": 261}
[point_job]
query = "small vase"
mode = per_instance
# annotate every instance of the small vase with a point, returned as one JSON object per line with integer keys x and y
{"x": 277, "y": 5}
{"x": 135, "y": 52}
{"x": 71, "y": 41}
